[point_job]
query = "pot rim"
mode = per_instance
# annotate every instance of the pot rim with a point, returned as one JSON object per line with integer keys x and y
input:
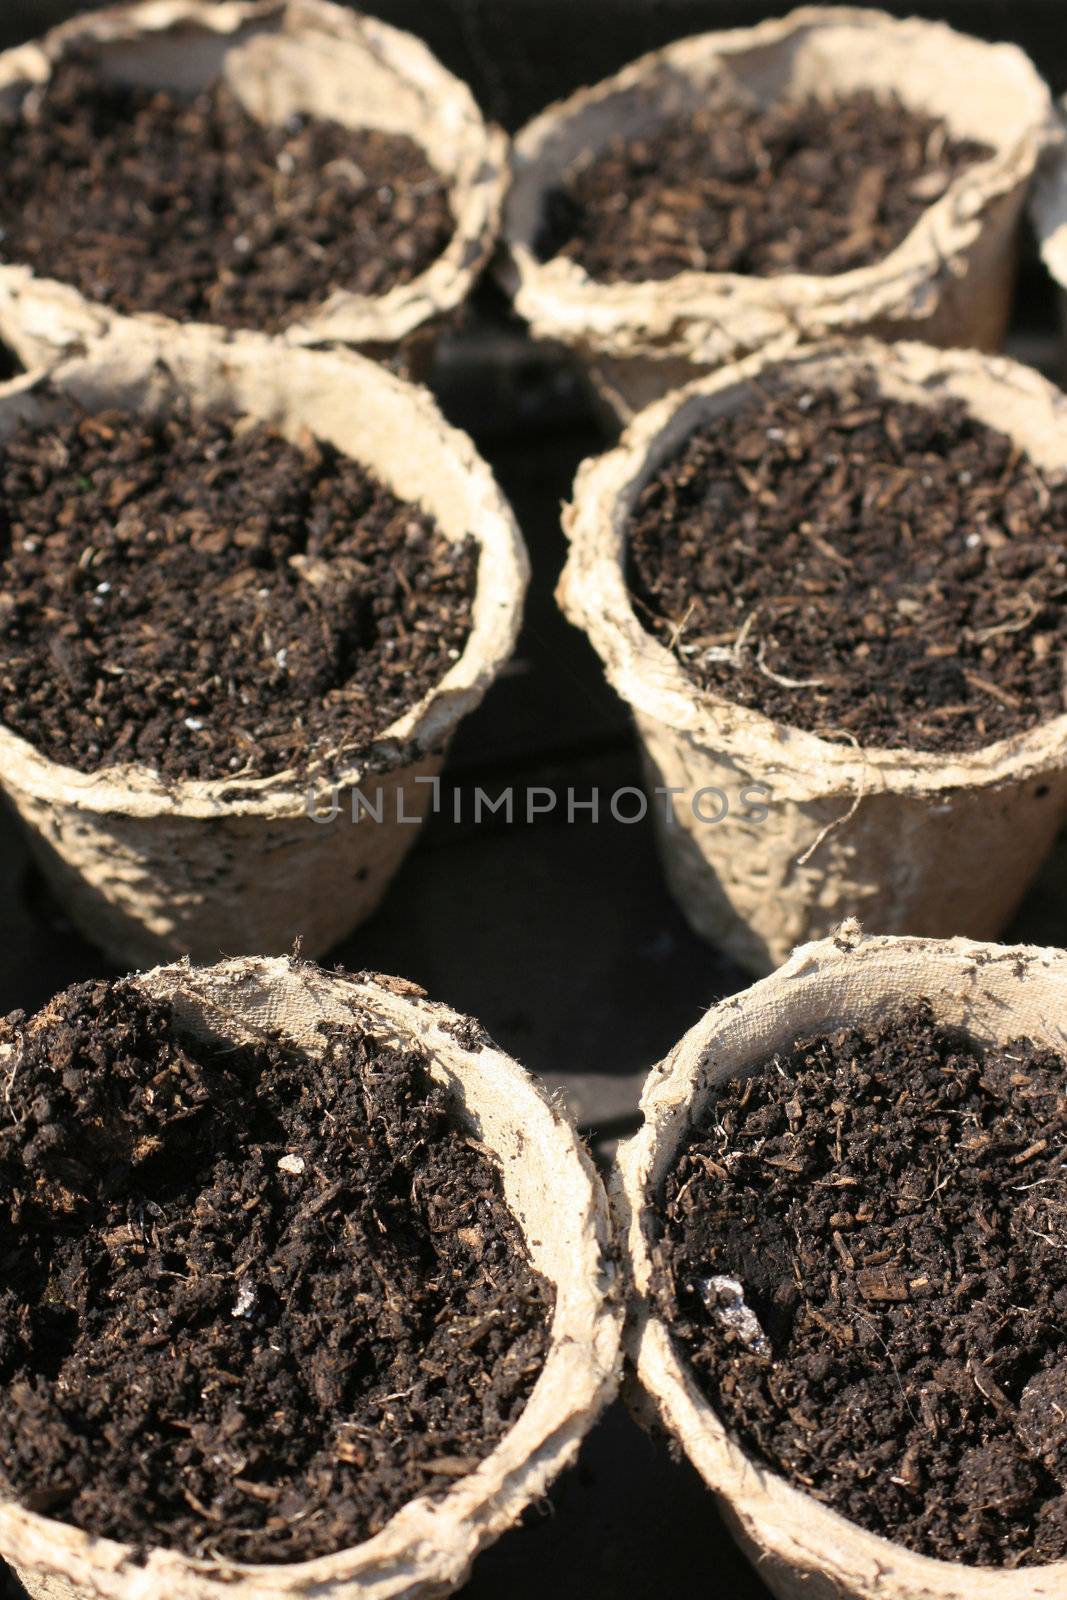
{"x": 593, "y": 592}
{"x": 692, "y": 312}
{"x": 129, "y": 356}
{"x": 785, "y": 1521}
{"x": 429, "y": 1544}
{"x": 476, "y": 187}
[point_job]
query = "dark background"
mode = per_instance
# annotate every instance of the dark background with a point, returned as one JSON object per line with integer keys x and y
{"x": 561, "y": 939}
{"x": 519, "y": 54}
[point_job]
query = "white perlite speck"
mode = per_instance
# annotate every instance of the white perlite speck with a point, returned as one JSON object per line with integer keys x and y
{"x": 246, "y": 1299}
{"x": 724, "y": 1301}
{"x": 293, "y": 1164}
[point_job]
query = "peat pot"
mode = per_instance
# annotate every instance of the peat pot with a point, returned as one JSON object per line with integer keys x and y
{"x": 948, "y": 282}
{"x": 149, "y": 869}
{"x": 280, "y": 58}
{"x": 1049, "y": 211}
{"x": 907, "y": 841}
{"x": 804, "y": 1550}
{"x": 552, "y": 1191}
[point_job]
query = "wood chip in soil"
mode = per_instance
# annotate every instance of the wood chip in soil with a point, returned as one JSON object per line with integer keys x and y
{"x": 818, "y": 186}
{"x": 864, "y": 568}
{"x": 202, "y": 597}
{"x": 193, "y": 208}
{"x": 863, "y": 1257}
{"x": 251, "y": 1301}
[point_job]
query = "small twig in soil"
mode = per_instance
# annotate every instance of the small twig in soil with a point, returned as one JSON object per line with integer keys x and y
{"x": 777, "y": 677}
{"x": 838, "y": 822}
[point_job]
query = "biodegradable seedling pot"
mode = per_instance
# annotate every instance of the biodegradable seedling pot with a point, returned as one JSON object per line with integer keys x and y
{"x": 910, "y": 842}
{"x": 949, "y": 282}
{"x": 151, "y": 870}
{"x": 553, "y": 1192}
{"x": 281, "y": 57}
{"x": 1049, "y": 211}
{"x": 804, "y": 1550}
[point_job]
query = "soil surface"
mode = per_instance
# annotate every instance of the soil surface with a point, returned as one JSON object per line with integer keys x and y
{"x": 862, "y": 568}
{"x": 251, "y": 1303}
{"x": 864, "y": 1259}
{"x": 819, "y": 186}
{"x": 194, "y": 209}
{"x": 202, "y": 596}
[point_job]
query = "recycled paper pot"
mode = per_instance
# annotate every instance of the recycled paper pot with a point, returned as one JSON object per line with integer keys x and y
{"x": 908, "y": 841}
{"x": 949, "y": 282}
{"x": 150, "y": 869}
{"x": 804, "y": 1550}
{"x": 553, "y": 1192}
{"x": 282, "y": 57}
{"x": 1049, "y": 210}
